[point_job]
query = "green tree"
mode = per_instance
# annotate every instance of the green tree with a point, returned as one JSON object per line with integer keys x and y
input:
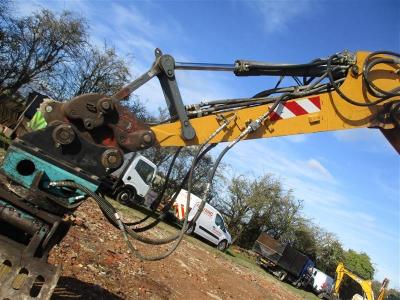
{"x": 256, "y": 205}
{"x": 306, "y": 239}
{"x": 236, "y": 206}
{"x": 393, "y": 294}
{"x": 359, "y": 263}
{"x": 329, "y": 252}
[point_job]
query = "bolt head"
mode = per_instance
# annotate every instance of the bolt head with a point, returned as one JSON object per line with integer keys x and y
{"x": 112, "y": 159}
{"x": 105, "y": 105}
{"x": 354, "y": 70}
{"x": 147, "y": 138}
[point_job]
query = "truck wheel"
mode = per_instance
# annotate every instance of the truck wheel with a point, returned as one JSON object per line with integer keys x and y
{"x": 190, "y": 229}
{"x": 126, "y": 195}
{"x": 222, "y": 245}
{"x": 282, "y": 276}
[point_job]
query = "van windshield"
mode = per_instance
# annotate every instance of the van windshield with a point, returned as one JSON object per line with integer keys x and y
{"x": 219, "y": 222}
{"x": 145, "y": 171}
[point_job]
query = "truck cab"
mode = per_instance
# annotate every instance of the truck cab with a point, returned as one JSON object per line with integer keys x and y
{"x": 133, "y": 178}
{"x": 321, "y": 282}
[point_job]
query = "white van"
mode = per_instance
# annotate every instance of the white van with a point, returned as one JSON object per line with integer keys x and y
{"x": 134, "y": 178}
{"x": 210, "y": 224}
{"x": 321, "y": 283}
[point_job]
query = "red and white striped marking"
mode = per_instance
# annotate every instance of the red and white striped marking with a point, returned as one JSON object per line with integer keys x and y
{"x": 179, "y": 211}
{"x": 296, "y": 108}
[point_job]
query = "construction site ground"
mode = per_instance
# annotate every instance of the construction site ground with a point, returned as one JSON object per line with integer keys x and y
{"x": 96, "y": 264}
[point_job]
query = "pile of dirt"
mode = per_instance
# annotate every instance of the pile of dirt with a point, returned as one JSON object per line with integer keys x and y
{"x": 97, "y": 265}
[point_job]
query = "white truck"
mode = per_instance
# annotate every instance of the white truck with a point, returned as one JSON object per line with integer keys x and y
{"x": 133, "y": 179}
{"x": 322, "y": 283}
{"x": 210, "y": 224}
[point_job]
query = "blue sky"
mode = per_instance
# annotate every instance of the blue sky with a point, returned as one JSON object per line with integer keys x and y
{"x": 349, "y": 181}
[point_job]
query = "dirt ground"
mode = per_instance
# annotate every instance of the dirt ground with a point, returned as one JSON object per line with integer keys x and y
{"x": 96, "y": 265}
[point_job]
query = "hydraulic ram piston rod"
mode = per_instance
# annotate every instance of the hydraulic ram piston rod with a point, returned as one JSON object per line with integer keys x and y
{"x": 204, "y": 66}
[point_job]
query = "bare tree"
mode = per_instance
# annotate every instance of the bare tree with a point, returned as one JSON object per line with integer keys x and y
{"x": 93, "y": 71}
{"x": 32, "y": 47}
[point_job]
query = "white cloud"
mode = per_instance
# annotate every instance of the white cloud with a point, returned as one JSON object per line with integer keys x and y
{"x": 356, "y": 135}
{"x": 299, "y": 138}
{"x": 366, "y": 139}
{"x": 27, "y": 7}
{"x": 278, "y": 14}
{"x": 315, "y": 165}
{"x": 312, "y": 182}
{"x": 325, "y": 198}
{"x": 279, "y": 162}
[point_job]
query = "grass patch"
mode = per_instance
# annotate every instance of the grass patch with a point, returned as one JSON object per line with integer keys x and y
{"x": 233, "y": 254}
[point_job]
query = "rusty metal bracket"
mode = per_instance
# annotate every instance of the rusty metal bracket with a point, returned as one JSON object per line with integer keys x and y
{"x": 24, "y": 277}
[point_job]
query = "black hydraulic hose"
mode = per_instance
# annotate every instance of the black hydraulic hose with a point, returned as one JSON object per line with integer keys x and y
{"x": 369, "y": 65}
{"x": 250, "y": 128}
{"x": 161, "y": 195}
{"x": 268, "y": 92}
{"x": 297, "y": 80}
{"x": 346, "y": 98}
{"x": 249, "y": 102}
{"x": 172, "y": 201}
{"x": 279, "y": 82}
{"x": 185, "y": 179}
{"x": 109, "y": 211}
{"x": 185, "y": 222}
{"x": 115, "y": 219}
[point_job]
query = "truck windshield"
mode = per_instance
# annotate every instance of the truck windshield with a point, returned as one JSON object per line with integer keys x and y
{"x": 145, "y": 171}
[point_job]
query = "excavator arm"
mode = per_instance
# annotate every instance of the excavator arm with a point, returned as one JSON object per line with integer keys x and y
{"x": 366, "y": 285}
{"x": 327, "y": 111}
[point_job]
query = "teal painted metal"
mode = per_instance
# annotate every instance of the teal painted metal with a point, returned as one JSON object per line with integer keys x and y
{"x": 23, "y": 214}
{"x": 22, "y": 167}
{"x": 44, "y": 228}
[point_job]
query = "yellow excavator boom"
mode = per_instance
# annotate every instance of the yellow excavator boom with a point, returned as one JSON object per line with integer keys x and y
{"x": 320, "y": 112}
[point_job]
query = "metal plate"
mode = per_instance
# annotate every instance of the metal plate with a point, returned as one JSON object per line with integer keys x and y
{"x": 23, "y": 277}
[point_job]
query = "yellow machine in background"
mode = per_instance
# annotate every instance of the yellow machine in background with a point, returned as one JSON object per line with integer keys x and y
{"x": 366, "y": 285}
{"x": 382, "y": 291}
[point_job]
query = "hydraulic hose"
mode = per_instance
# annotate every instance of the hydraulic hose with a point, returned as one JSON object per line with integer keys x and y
{"x": 161, "y": 195}
{"x": 113, "y": 216}
{"x": 109, "y": 210}
{"x": 366, "y": 69}
{"x": 172, "y": 201}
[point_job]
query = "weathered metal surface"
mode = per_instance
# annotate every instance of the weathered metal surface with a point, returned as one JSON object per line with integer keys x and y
{"x": 24, "y": 167}
{"x": 267, "y": 241}
{"x": 101, "y": 122}
{"x": 268, "y": 247}
{"x": 23, "y": 277}
{"x": 18, "y": 218}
